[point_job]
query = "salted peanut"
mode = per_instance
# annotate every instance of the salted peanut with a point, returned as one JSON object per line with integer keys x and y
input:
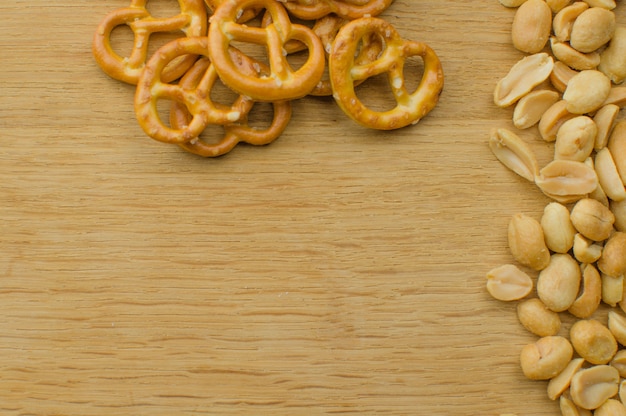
{"x": 618, "y": 208}
{"x": 511, "y": 3}
{"x": 558, "y": 284}
{"x": 531, "y": 26}
{"x": 619, "y": 362}
{"x": 613, "y": 259}
{"x": 527, "y": 243}
{"x": 587, "y": 91}
{"x": 537, "y": 318}
{"x": 593, "y": 29}
{"x": 546, "y": 358}
{"x": 586, "y": 250}
{"x": 617, "y": 145}
{"x": 530, "y": 108}
{"x": 598, "y": 193}
{"x": 613, "y": 57}
{"x": 558, "y": 229}
{"x": 605, "y": 119}
{"x": 514, "y": 153}
{"x": 592, "y": 219}
{"x": 611, "y": 407}
{"x": 617, "y": 96}
{"x": 526, "y": 74}
{"x": 560, "y": 383}
{"x": 608, "y": 176}
{"x": 508, "y": 283}
{"x": 592, "y": 386}
{"x": 580, "y": 61}
{"x": 560, "y": 75}
{"x": 557, "y": 5}
{"x": 612, "y": 289}
{"x": 593, "y": 341}
{"x": 552, "y": 119}
{"x": 575, "y": 139}
{"x": 567, "y": 178}
{"x": 564, "y": 20}
{"x": 568, "y": 408}
{"x": 605, "y": 4}
{"x": 589, "y": 300}
{"x": 617, "y": 326}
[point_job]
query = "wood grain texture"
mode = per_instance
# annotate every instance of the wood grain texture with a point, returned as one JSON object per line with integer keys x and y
{"x": 337, "y": 271}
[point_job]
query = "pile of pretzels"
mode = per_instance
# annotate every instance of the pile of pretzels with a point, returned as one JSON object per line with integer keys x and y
{"x": 344, "y": 45}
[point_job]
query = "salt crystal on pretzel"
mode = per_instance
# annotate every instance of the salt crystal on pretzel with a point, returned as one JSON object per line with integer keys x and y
{"x": 345, "y": 73}
{"x": 191, "y": 21}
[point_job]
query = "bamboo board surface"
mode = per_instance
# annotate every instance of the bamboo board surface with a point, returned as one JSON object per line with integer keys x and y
{"x": 337, "y": 270}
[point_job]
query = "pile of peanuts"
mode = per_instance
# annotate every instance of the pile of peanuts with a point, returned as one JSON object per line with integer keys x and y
{"x": 567, "y": 89}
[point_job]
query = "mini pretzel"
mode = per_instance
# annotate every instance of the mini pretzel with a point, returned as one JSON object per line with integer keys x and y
{"x": 233, "y": 133}
{"x": 192, "y": 21}
{"x": 282, "y": 83}
{"x": 151, "y": 89}
{"x": 246, "y": 15}
{"x": 312, "y": 10}
{"x": 344, "y": 72}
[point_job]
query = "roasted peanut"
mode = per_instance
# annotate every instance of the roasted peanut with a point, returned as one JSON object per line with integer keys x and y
{"x": 566, "y": 180}
{"x": 537, "y": 318}
{"x": 613, "y": 57}
{"x": 613, "y": 259}
{"x": 611, "y": 407}
{"x": 511, "y": 3}
{"x": 508, "y": 283}
{"x": 514, "y": 153}
{"x": 558, "y": 284}
{"x": 587, "y": 91}
{"x": 593, "y": 341}
{"x": 557, "y": 5}
{"x": 560, "y": 75}
{"x": 530, "y": 108}
{"x": 617, "y": 326}
{"x": 586, "y": 250}
{"x": 592, "y": 386}
{"x": 617, "y": 146}
{"x": 619, "y": 362}
{"x": 605, "y": 120}
{"x": 593, "y": 29}
{"x": 612, "y": 289}
{"x": 553, "y": 119}
{"x": 560, "y": 383}
{"x": 592, "y": 219}
{"x": 531, "y": 26}
{"x": 562, "y": 51}
{"x": 527, "y": 243}
{"x": 527, "y": 73}
{"x": 558, "y": 229}
{"x": 588, "y": 301}
{"x": 608, "y": 176}
{"x": 618, "y": 208}
{"x": 606, "y": 4}
{"x": 569, "y": 408}
{"x": 564, "y": 20}
{"x": 575, "y": 139}
{"x": 546, "y": 358}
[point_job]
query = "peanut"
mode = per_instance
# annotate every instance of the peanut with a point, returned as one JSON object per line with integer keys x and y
{"x": 546, "y": 358}
{"x": 527, "y": 73}
{"x": 592, "y": 219}
{"x": 558, "y": 284}
{"x": 564, "y": 20}
{"x": 566, "y": 180}
{"x": 613, "y": 259}
{"x": 531, "y": 107}
{"x": 531, "y": 26}
{"x": 514, "y": 153}
{"x": 560, "y": 383}
{"x": 593, "y": 29}
{"x": 611, "y": 407}
{"x": 592, "y": 386}
{"x": 617, "y": 326}
{"x": 608, "y": 175}
{"x": 526, "y": 242}
{"x": 537, "y": 318}
{"x": 557, "y": 227}
{"x": 587, "y": 91}
{"x": 588, "y": 301}
{"x": 508, "y": 283}
{"x": 575, "y": 139}
{"x": 593, "y": 341}
{"x": 613, "y": 58}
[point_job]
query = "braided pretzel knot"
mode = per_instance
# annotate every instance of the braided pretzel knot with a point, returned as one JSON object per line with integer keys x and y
{"x": 192, "y": 21}
{"x": 282, "y": 83}
{"x": 233, "y": 133}
{"x": 312, "y": 10}
{"x": 151, "y": 89}
{"x": 344, "y": 72}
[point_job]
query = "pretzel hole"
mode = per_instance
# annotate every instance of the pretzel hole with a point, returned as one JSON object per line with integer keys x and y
{"x": 221, "y": 94}
{"x": 253, "y": 50}
{"x": 122, "y": 39}
{"x": 413, "y": 72}
{"x": 162, "y": 9}
{"x": 261, "y": 116}
{"x": 376, "y": 94}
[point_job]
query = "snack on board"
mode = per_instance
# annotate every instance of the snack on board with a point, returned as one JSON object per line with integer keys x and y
{"x": 345, "y": 72}
{"x": 185, "y": 70}
{"x": 579, "y": 112}
{"x": 191, "y": 21}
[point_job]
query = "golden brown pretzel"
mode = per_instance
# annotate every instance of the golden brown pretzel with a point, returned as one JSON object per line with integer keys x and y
{"x": 192, "y": 21}
{"x": 197, "y": 100}
{"x": 234, "y": 133}
{"x": 246, "y": 15}
{"x": 344, "y": 72}
{"x": 283, "y": 83}
{"x": 312, "y": 10}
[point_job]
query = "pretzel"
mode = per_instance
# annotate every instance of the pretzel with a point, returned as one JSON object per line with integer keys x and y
{"x": 192, "y": 21}
{"x": 282, "y": 83}
{"x": 348, "y": 9}
{"x": 233, "y": 133}
{"x": 344, "y": 72}
{"x": 246, "y": 15}
{"x": 151, "y": 89}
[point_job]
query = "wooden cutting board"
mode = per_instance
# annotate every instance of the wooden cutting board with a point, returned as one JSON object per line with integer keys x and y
{"x": 337, "y": 270}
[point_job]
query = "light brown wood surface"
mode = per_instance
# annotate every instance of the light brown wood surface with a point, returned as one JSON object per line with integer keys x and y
{"x": 338, "y": 270}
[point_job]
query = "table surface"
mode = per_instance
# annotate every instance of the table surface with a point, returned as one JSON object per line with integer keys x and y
{"x": 337, "y": 270}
